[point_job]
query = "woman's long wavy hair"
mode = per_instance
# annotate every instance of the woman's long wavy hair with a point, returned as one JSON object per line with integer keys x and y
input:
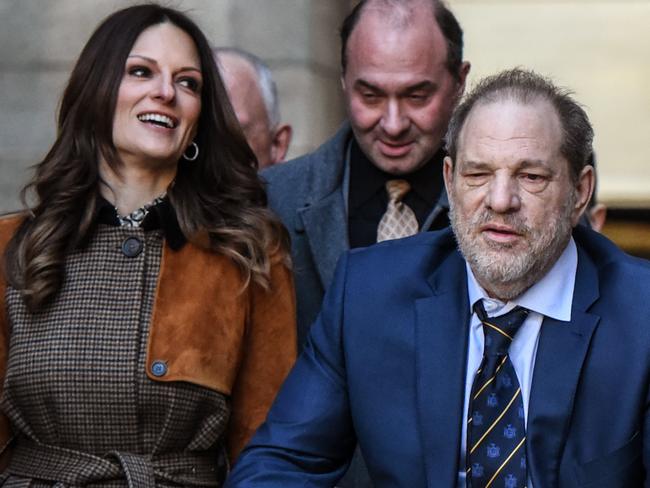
{"x": 218, "y": 199}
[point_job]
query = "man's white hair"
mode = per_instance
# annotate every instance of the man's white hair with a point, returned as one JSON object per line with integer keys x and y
{"x": 264, "y": 80}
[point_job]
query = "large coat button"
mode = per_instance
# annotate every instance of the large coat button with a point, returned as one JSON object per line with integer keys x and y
{"x": 159, "y": 368}
{"x": 131, "y": 247}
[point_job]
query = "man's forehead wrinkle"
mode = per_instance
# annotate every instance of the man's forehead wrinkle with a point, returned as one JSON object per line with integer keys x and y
{"x": 508, "y": 138}
{"x": 491, "y": 143}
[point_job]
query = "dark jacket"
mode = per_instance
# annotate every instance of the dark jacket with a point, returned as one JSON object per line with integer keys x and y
{"x": 308, "y": 195}
{"x": 385, "y": 366}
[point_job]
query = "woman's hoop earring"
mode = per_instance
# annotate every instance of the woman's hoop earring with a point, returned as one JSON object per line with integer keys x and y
{"x": 196, "y": 152}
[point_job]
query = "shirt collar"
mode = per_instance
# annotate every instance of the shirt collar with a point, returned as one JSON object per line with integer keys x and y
{"x": 161, "y": 216}
{"x": 552, "y": 296}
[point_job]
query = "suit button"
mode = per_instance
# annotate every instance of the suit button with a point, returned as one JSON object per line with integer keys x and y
{"x": 158, "y": 368}
{"x": 131, "y": 247}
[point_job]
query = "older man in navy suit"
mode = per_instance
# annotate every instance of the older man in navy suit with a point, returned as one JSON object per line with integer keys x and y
{"x": 513, "y": 352}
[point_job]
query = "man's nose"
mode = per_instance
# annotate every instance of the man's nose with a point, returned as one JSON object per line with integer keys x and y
{"x": 503, "y": 194}
{"x": 394, "y": 121}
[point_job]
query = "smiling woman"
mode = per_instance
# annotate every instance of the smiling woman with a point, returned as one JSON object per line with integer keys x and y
{"x": 146, "y": 300}
{"x": 158, "y": 104}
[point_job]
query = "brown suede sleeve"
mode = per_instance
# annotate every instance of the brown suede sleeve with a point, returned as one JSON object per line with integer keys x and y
{"x": 269, "y": 352}
{"x": 8, "y": 226}
{"x": 199, "y": 319}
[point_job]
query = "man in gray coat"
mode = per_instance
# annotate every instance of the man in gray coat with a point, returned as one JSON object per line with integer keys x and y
{"x": 402, "y": 75}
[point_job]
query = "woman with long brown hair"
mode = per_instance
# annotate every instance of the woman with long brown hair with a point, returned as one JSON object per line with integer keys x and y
{"x": 146, "y": 304}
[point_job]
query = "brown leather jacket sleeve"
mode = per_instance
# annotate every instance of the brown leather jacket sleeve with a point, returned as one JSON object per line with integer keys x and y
{"x": 268, "y": 354}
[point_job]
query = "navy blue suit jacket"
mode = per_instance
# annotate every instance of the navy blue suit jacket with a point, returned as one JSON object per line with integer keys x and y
{"x": 385, "y": 366}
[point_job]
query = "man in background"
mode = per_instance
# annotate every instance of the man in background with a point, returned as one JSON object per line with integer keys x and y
{"x": 254, "y": 97}
{"x": 380, "y": 176}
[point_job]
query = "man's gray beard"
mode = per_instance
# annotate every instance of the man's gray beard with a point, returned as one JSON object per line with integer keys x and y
{"x": 502, "y": 272}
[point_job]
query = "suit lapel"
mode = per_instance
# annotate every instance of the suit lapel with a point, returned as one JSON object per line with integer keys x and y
{"x": 442, "y": 322}
{"x": 322, "y": 215}
{"x": 441, "y": 206}
{"x": 325, "y": 224}
{"x": 560, "y": 356}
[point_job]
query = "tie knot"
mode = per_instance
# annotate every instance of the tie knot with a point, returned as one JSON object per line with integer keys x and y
{"x": 499, "y": 331}
{"x": 396, "y": 189}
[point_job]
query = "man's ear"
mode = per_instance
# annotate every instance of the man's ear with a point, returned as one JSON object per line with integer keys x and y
{"x": 584, "y": 187}
{"x": 597, "y": 216}
{"x": 448, "y": 173}
{"x": 463, "y": 71}
{"x": 280, "y": 143}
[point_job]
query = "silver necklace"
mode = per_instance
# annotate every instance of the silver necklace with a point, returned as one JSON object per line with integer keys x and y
{"x": 135, "y": 218}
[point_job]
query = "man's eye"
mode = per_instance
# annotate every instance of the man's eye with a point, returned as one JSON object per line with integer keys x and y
{"x": 476, "y": 178}
{"x": 533, "y": 182}
{"x": 533, "y": 178}
{"x": 139, "y": 71}
{"x": 417, "y": 97}
{"x": 369, "y": 97}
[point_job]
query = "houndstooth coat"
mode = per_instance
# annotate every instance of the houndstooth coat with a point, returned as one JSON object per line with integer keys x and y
{"x": 144, "y": 371}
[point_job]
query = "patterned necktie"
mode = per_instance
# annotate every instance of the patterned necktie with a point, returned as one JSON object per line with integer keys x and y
{"x": 496, "y": 449}
{"x": 398, "y": 220}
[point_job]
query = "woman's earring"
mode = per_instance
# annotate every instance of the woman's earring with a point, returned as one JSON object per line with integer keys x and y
{"x": 193, "y": 156}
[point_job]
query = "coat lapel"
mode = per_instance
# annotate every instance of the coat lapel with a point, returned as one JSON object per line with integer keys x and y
{"x": 562, "y": 350}
{"x": 326, "y": 227}
{"x": 441, "y": 206}
{"x": 442, "y": 322}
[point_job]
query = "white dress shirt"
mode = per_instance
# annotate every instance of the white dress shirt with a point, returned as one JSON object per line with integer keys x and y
{"x": 551, "y": 296}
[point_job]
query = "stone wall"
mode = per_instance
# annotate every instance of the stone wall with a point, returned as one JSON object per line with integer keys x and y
{"x": 598, "y": 48}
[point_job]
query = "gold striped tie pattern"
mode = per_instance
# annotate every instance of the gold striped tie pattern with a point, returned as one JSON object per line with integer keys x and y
{"x": 496, "y": 431}
{"x": 399, "y": 220}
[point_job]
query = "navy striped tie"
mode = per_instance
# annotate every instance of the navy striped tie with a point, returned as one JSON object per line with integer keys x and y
{"x": 496, "y": 431}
